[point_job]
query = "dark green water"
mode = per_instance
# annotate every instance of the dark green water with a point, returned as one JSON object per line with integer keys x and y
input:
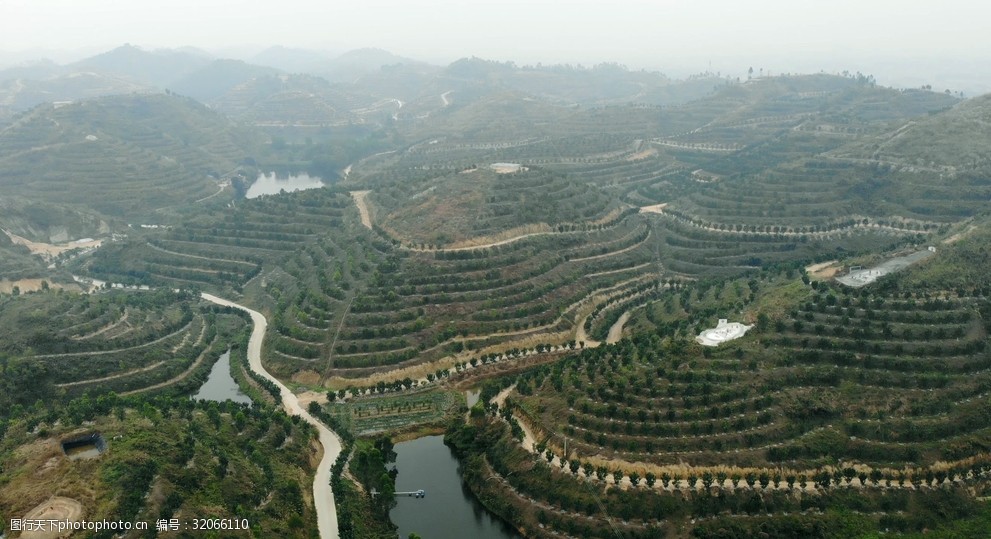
{"x": 449, "y": 510}
{"x": 220, "y": 385}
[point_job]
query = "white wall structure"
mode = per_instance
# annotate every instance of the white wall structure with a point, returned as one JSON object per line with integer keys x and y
{"x": 724, "y": 331}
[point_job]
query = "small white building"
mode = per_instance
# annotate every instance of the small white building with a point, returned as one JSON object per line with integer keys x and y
{"x": 724, "y": 331}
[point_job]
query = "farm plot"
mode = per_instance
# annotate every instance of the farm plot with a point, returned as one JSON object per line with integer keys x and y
{"x": 385, "y": 413}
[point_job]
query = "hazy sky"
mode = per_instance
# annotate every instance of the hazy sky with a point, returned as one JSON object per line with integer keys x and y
{"x": 659, "y": 33}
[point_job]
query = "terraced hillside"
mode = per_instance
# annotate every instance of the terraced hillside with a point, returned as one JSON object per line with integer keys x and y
{"x": 229, "y": 247}
{"x": 821, "y": 191}
{"x": 696, "y": 247}
{"x": 517, "y": 119}
{"x": 297, "y": 100}
{"x": 62, "y": 345}
{"x": 732, "y": 158}
{"x": 949, "y": 143}
{"x": 304, "y": 254}
{"x": 16, "y": 261}
{"x": 136, "y": 157}
{"x": 551, "y": 497}
{"x": 19, "y": 93}
{"x": 458, "y": 208}
{"x": 455, "y": 257}
{"x": 504, "y": 221}
{"x": 744, "y": 130}
{"x": 427, "y": 304}
{"x": 788, "y": 403}
{"x": 343, "y": 300}
{"x": 874, "y": 400}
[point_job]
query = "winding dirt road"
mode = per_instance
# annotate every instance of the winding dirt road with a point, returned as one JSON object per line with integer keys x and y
{"x": 616, "y": 330}
{"x": 323, "y": 496}
{"x": 362, "y": 204}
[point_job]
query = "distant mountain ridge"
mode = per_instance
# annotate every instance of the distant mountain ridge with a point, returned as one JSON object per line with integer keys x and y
{"x": 219, "y": 77}
{"x": 379, "y": 73}
{"x": 159, "y": 67}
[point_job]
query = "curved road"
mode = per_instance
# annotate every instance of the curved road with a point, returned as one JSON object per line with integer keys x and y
{"x": 323, "y": 496}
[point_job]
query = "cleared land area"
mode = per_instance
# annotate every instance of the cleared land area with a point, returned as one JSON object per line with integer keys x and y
{"x": 864, "y": 277}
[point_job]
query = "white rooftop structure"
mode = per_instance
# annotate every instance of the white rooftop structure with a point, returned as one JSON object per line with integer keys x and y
{"x": 724, "y": 331}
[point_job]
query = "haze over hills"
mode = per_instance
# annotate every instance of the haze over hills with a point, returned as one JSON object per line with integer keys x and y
{"x": 196, "y": 73}
{"x": 554, "y": 236}
{"x": 217, "y": 78}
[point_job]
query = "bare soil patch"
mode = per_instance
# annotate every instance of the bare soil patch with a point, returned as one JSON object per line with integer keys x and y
{"x": 360, "y": 201}
{"x": 613, "y": 214}
{"x": 32, "y": 285}
{"x": 49, "y": 250}
{"x": 656, "y": 208}
{"x": 307, "y": 377}
{"x": 507, "y": 236}
{"x": 823, "y": 270}
{"x": 642, "y": 155}
{"x": 507, "y": 168}
{"x": 616, "y": 330}
{"x": 959, "y": 235}
{"x": 56, "y": 508}
{"x": 306, "y": 397}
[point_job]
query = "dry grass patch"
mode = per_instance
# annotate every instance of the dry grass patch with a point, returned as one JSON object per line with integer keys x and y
{"x": 823, "y": 270}
{"x": 44, "y": 484}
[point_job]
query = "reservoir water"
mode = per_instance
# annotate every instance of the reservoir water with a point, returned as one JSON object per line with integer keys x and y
{"x": 220, "y": 385}
{"x": 270, "y": 184}
{"x": 449, "y": 510}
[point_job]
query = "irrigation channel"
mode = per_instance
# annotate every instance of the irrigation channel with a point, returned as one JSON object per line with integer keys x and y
{"x": 323, "y": 496}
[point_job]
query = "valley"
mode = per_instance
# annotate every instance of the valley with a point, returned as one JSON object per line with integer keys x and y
{"x": 368, "y": 248}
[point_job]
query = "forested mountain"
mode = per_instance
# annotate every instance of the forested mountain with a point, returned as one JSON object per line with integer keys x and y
{"x": 125, "y": 157}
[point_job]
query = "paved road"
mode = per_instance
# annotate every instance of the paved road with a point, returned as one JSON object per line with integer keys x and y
{"x": 323, "y": 496}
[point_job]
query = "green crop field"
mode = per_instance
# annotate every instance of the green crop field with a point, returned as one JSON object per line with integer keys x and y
{"x": 384, "y": 413}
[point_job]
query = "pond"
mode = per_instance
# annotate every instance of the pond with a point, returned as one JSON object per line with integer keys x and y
{"x": 220, "y": 385}
{"x": 89, "y": 446}
{"x": 449, "y": 509}
{"x": 270, "y": 184}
